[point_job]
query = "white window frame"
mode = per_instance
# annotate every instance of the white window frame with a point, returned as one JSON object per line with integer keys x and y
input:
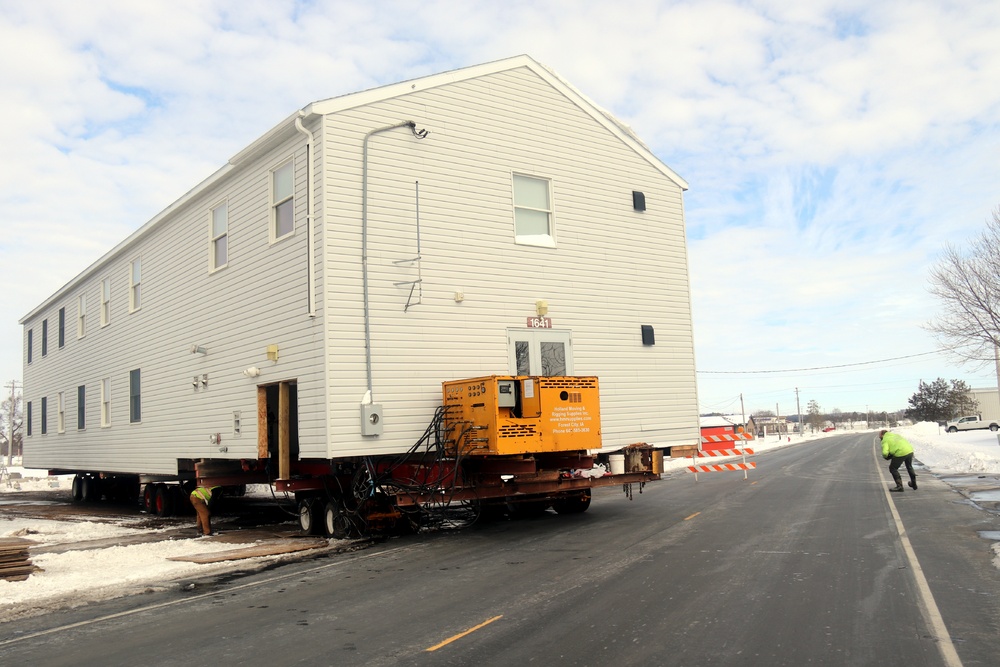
{"x": 218, "y": 214}
{"x": 106, "y": 301}
{"x": 61, "y": 414}
{"x": 105, "y": 402}
{"x": 547, "y": 240}
{"x": 81, "y": 316}
{"x": 135, "y": 284}
{"x": 282, "y": 200}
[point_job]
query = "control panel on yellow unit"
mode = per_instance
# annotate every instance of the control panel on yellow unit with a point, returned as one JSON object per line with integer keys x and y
{"x": 501, "y": 414}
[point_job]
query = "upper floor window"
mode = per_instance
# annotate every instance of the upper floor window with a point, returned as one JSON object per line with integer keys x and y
{"x": 62, "y": 327}
{"x": 533, "y": 211}
{"x": 135, "y": 285}
{"x": 81, "y": 315}
{"x": 282, "y": 201}
{"x": 31, "y": 336}
{"x": 105, "y": 302}
{"x": 220, "y": 236}
{"x": 45, "y": 337}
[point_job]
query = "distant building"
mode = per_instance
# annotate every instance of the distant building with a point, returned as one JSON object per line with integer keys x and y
{"x": 715, "y": 428}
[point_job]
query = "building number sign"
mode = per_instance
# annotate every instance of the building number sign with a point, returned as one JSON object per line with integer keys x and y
{"x": 539, "y": 322}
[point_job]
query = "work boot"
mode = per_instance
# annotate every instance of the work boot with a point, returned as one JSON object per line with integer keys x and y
{"x": 913, "y": 482}
{"x": 898, "y": 489}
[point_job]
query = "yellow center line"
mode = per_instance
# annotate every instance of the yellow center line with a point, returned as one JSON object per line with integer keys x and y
{"x": 462, "y": 634}
{"x": 692, "y": 516}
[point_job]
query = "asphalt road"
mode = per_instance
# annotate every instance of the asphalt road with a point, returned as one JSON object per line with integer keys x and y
{"x": 803, "y": 563}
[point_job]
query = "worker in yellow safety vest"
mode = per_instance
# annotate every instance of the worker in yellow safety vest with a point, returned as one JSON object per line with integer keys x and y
{"x": 201, "y": 498}
{"x": 898, "y": 450}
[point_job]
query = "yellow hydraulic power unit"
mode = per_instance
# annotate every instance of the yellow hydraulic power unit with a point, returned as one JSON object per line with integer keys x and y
{"x": 502, "y": 415}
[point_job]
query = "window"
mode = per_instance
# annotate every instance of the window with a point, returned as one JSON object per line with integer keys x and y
{"x": 81, "y": 407}
{"x": 61, "y": 413}
{"x": 81, "y": 315}
{"x": 45, "y": 337}
{"x": 105, "y": 302}
{"x": 62, "y": 328}
{"x": 106, "y": 402}
{"x": 45, "y": 415}
{"x": 134, "y": 397}
{"x": 31, "y": 335}
{"x": 282, "y": 201}
{"x": 27, "y": 417}
{"x": 220, "y": 236}
{"x": 532, "y": 211}
{"x": 134, "y": 285}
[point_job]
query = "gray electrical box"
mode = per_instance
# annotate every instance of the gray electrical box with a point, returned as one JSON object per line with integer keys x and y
{"x": 371, "y": 419}
{"x": 505, "y": 394}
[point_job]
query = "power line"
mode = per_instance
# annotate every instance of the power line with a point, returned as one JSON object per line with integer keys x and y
{"x": 820, "y": 368}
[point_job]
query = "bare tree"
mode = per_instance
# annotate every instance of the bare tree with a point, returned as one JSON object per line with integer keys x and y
{"x": 968, "y": 285}
{"x": 11, "y": 420}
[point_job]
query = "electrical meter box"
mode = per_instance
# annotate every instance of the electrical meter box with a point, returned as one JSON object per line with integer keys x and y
{"x": 502, "y": 415}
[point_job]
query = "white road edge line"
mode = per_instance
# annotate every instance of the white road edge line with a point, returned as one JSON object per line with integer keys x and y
{"x": 193, "y": 598}
{"x": 929, "y": 608}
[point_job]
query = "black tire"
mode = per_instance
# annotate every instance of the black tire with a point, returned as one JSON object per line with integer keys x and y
{"x": 148, "y": 498}
{"x": 77, "y": 490}
{"x": 573, "y": 503}
{"x": 952, "y": 429}
{"x": 164, "y": 500}
{"x": 994, "y": 428}
{"x": 91, "y": 489}
{"x": 311, "y": 516}
{"x": 336, "y": 523}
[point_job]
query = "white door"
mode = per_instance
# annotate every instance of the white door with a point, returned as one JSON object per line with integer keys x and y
{"x": 540, "y": 351}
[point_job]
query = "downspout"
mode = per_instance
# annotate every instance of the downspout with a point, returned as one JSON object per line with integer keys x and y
{"x": 310, "y": 250}
{"x": 419, "y": 134}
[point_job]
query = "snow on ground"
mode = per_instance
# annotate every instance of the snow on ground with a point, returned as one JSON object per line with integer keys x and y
{"x": 77, "y": 577}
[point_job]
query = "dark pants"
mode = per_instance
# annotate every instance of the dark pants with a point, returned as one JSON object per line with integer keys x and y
{"x": 204, "y": 516}
{"x": 894, "y": 468}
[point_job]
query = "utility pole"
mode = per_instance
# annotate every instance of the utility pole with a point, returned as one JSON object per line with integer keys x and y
{"x": 798, "y": 408}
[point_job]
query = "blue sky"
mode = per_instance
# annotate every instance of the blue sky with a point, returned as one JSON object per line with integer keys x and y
{"x": 832, "y": 148}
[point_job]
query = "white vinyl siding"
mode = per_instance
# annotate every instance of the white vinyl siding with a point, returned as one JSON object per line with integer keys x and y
{"x": 601, "y": 286}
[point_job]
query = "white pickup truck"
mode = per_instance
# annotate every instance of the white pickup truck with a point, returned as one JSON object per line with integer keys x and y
{"x": 971, "y": 423}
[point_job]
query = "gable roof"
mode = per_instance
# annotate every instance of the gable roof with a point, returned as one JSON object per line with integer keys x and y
{"x": 373, "y": 95}
{"x": 289, "y": 126}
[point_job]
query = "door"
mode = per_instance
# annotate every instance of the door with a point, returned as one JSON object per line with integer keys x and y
{"x": 540, "y": 351}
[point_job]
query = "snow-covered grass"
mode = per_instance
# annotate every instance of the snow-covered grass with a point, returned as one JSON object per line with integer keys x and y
{"x": 76, "y": 577}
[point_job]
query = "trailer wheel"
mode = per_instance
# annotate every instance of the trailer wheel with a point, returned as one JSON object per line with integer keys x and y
{"x": 336, "y": 523}
{"x": 91, "y": 489}
{"x": 77, "y": 491}
{"x": 573, "y": 503}
{"x": 164, "y": 500}
{"x": 148, "y": 498}
{"x": 310, "y": 516}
